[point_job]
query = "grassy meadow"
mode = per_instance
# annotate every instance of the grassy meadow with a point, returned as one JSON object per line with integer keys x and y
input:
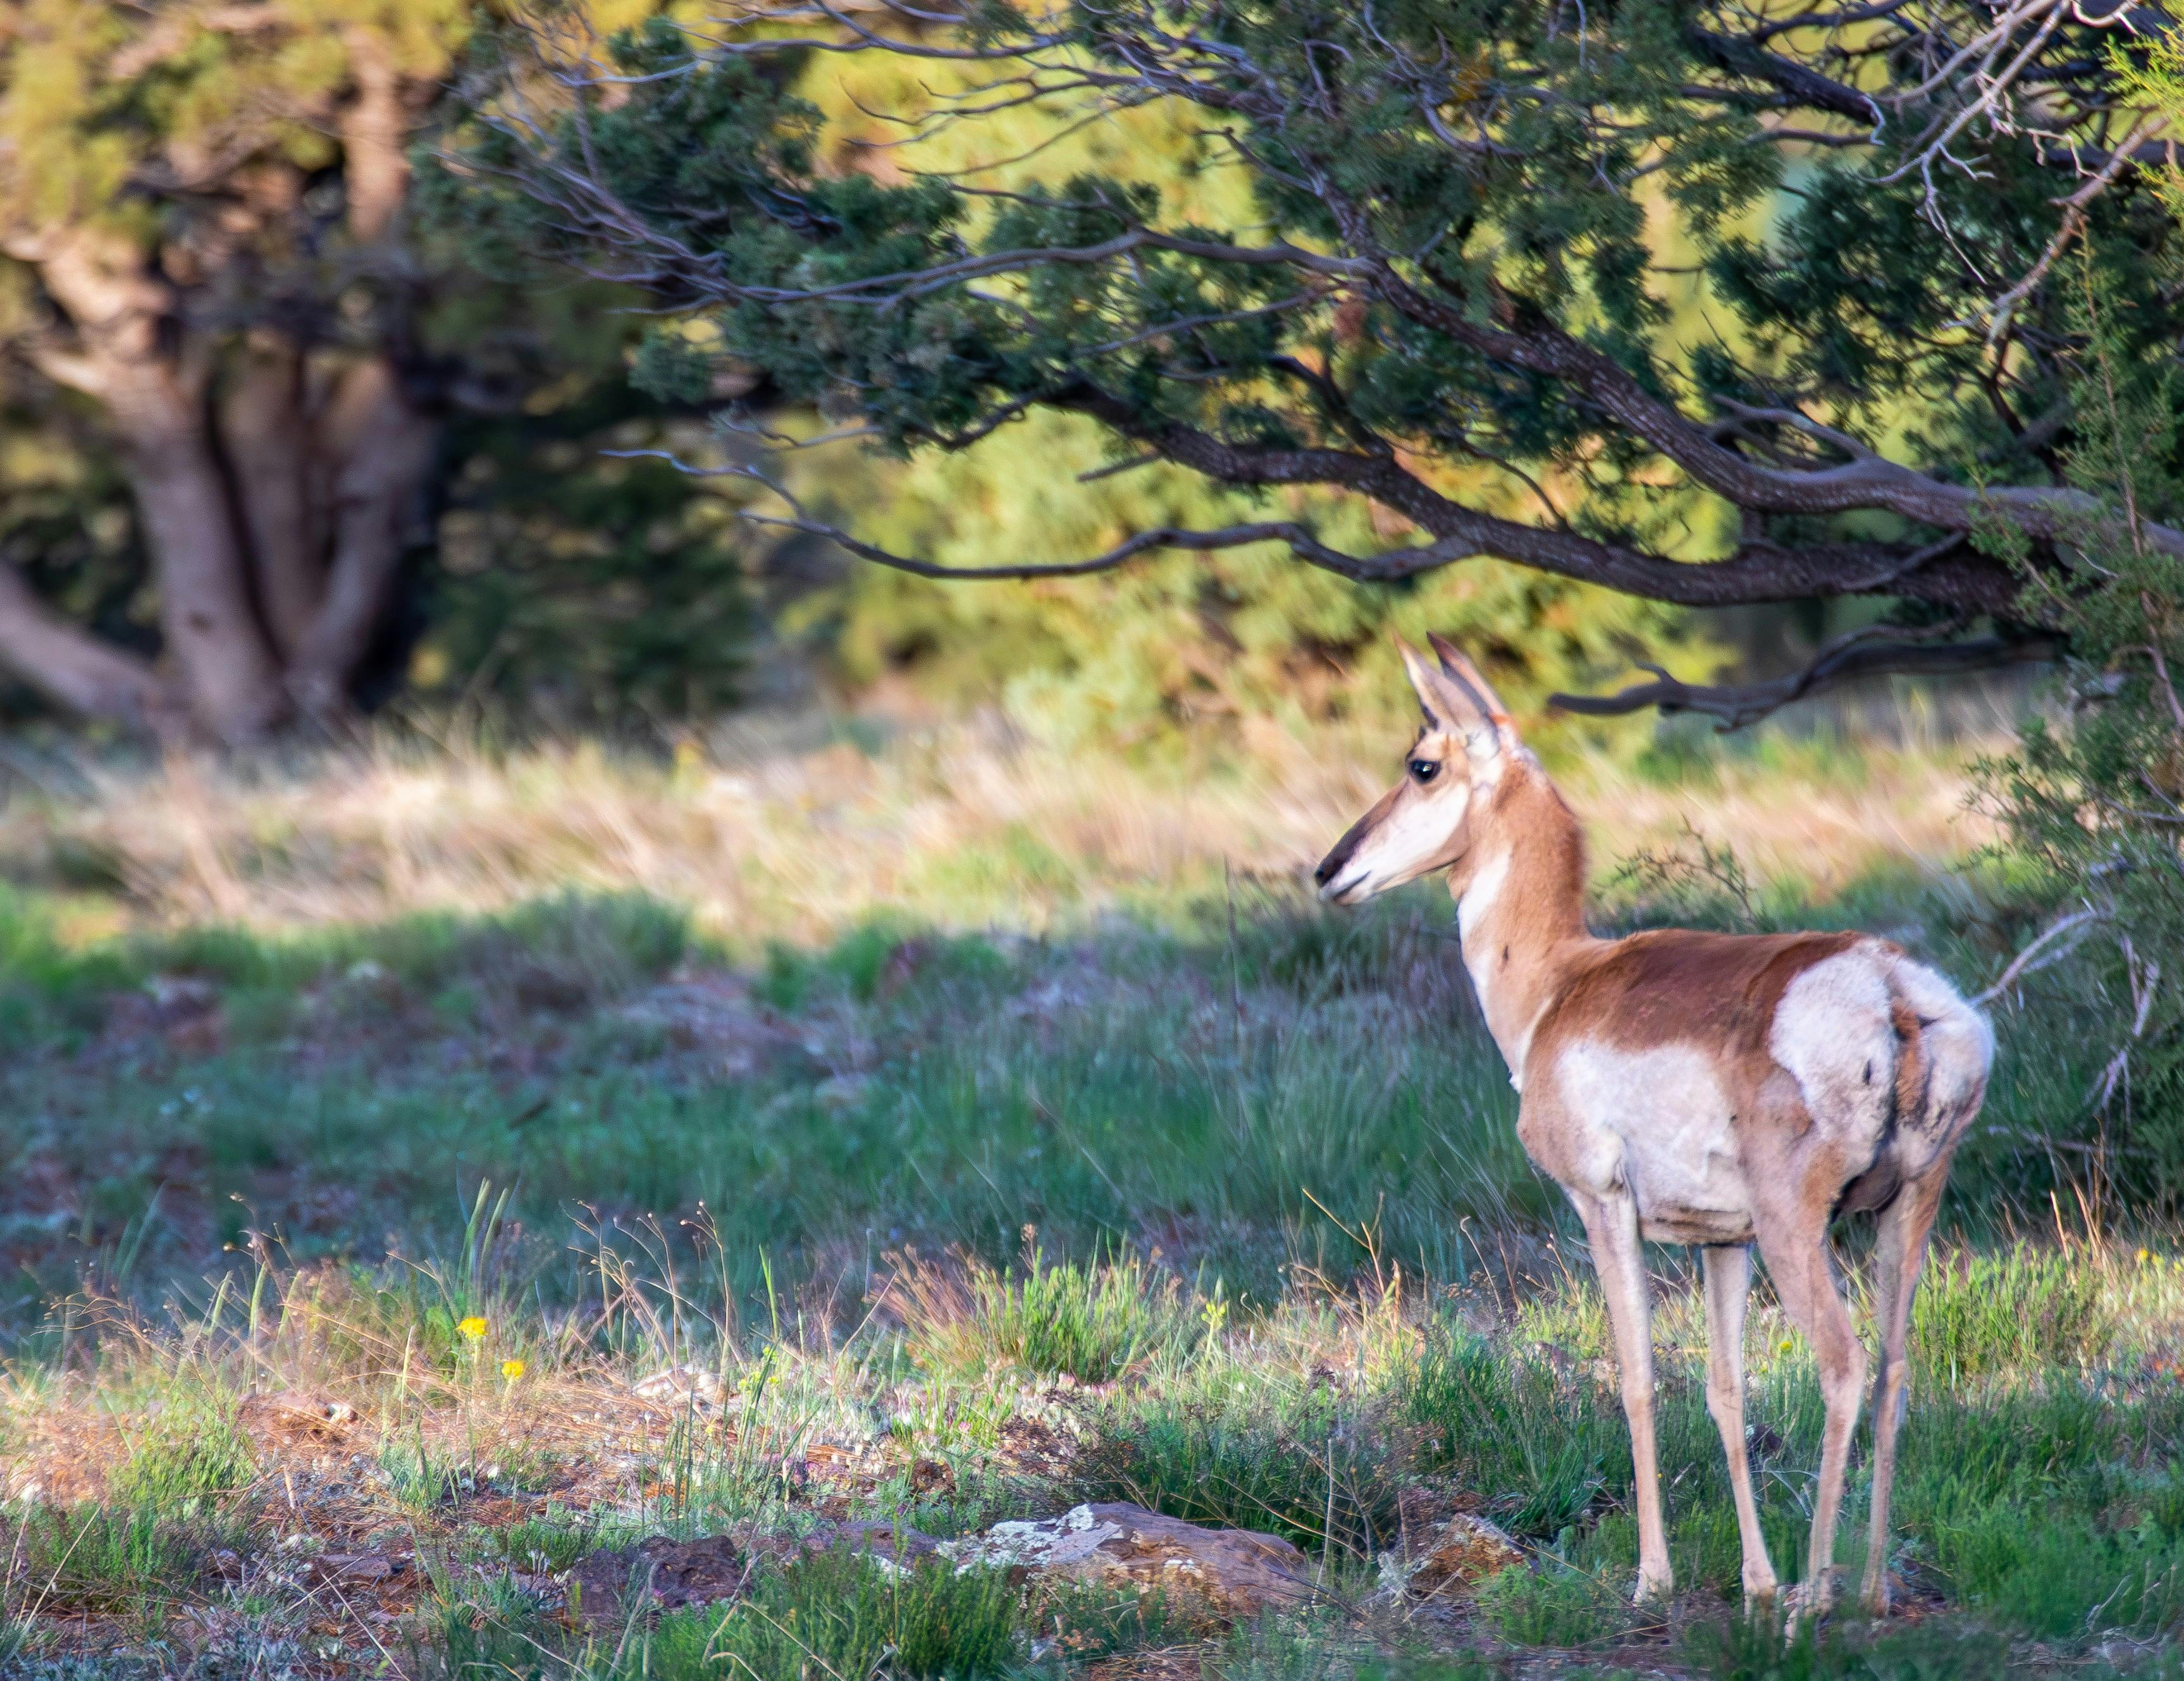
{"x": 421, "y": 1164}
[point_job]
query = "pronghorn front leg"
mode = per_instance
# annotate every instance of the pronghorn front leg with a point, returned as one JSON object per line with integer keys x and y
{"x": 1728, "y": 1286}
{"x": 1611, "y": 1225}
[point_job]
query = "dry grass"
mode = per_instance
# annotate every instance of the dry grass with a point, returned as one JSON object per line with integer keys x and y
{"x": 765, "y": 836}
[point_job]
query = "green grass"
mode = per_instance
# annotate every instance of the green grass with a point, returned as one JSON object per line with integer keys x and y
{"x": 840, "y": 1614}
{"x": 1977, "y": 1315}
{"x": 1558, "y": 1605}
{"x": 1498, "y": 1419}
{"x": 113, "y": 1557}
{"x": 1308, "y": 1467}
{"x": 1093, "y": 1322}
{"x": 172, "y": 1501}
{"x": 1279, "y": 1224}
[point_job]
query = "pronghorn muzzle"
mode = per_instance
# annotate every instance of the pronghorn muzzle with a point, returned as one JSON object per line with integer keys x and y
{"x": 1334, "y": 877}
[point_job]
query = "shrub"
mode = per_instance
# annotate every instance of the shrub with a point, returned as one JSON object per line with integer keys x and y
{"x": 1092, "y": 1323}
{"x": 1311, "y": 1472}
{"x": 186, "y": 1461}
{"x": 1092, "y": 1620}
{"x": 110, "y": 1558}
{"x": 1763, "y": 1649}
{"x": 2021, "y": 1311}
{"x": 2056, "y": 1575}
{"x": 1503, "y": 1423}
{"x": 1555, "y": 1605}
{"x": 839, "y": 1613}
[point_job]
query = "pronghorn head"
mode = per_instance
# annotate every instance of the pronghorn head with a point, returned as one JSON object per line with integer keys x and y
{"x": 1426, "y": 822}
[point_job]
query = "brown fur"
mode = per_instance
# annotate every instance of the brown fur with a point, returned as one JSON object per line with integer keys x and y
{"x": 1725, "y": 1050}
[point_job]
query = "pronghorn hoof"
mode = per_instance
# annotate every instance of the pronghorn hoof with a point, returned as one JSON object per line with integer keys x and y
{"x": 1652, "y": 1589}
{"x": 1815, "y": 1598}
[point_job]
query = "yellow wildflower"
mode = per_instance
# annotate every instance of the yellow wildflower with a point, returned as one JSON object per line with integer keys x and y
{"x": 2142, "y": 1258}
{"x": 1786, "y": 1346}
{"x": 473, "y": 1328}
{"x": 511, "y": 1370}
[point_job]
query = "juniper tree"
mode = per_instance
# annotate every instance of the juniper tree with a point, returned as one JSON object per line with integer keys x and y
{"x": 1475, "y": 228}
{"x": 214, "y": 286}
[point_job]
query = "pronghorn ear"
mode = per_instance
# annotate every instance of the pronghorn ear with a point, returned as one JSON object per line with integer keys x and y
{"x": 1468, "y": 679}
{"x": 1437, "y": 697}
{"x": 1446, "y": 705}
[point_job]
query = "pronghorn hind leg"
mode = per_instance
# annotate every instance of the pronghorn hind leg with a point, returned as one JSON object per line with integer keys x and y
{"x": 1611, "y": 1225}
{"x": 1899, "y": 1255}
{"x": 1793, "y": 1238}
{"x": 1728, "y": 1284}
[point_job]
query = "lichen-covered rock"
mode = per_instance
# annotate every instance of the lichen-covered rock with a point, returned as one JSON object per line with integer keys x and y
{"x": 1235, "y": 1573}
{"x": 1459, "y": 1554}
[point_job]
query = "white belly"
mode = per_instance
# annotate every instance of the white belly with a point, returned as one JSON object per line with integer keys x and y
{"x": 1657, "y": 1121}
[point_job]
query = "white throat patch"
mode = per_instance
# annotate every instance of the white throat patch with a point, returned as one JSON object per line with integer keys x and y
{"x": 1480, "y": 898}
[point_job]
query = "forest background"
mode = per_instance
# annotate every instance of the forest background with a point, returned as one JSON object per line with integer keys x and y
{"x": 376, "y": 443}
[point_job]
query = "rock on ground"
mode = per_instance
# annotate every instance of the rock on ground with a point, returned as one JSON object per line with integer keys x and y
{"x": 1236, "y": 1572}
{"x": 680, "y": 1573}
{"x": 1459, "y": 1554}
{"x": 1233, "y": 1572}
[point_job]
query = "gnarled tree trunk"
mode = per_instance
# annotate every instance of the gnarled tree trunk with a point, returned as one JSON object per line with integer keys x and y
{"x": 277, "y": 531}
{"x": 121, "y": 313}
{"x": 380, "y": 452}
{"x": 265, "y": 432}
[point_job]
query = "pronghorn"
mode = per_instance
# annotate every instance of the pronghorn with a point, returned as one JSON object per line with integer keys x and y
{"x": 1709, "y": 1089}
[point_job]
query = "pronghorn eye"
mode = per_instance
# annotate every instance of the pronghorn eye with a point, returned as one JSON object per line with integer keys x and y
{"x": 1424, "y": 769}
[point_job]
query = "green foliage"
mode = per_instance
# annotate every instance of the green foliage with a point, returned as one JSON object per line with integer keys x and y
{"x": 2093, "y": 801}
{"x": 1540, "y": 1449}
{"x": 549, "y": 1542}
{"x": 842, "y": 1613}
{"x": 2016, "y": 1309}
{"x": 1093, "y": 1322}
{"x": 549, "y": 579}
{"x": 1762, "y": 1648}
{"x": 170, "y": 1504}
{"x": 1307, "y": 1468}
{"x": 2061, "y": 1575}
{"x": 1554, "y": 1605}
{"x": 582, "y": 589}
{"x": 92, "y": 1557}
{"x": 1090, "y": 1620}
{"x": 1357, "y": 292}
{"x": 1182, "y": 647}
{"x": 186, "y": 1461}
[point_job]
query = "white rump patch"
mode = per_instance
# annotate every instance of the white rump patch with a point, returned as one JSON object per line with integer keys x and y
{"x": 1833, "y": 1033}
{"x": 1658, "y": 1121}
{"x": 1958, "y": 1044}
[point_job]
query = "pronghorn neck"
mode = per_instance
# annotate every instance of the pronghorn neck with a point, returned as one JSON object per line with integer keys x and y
{"x": 1520, "y": 905}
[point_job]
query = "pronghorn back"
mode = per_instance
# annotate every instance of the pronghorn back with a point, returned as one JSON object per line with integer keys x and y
{"x": 1681, "y": 1063}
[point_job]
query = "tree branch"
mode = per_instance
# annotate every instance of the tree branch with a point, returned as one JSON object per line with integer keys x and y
{"x": 1805, "y": 86}
{"x": 1871, "y": 652}
{"x": 74, "y": 669}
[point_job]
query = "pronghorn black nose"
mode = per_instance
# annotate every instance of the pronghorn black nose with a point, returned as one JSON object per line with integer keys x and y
{"x": 1333, "y": 862}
